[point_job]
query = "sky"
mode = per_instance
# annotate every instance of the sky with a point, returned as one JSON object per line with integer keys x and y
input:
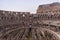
{"x": 23, "y": 5}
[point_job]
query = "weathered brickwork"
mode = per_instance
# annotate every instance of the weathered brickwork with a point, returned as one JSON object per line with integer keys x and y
{"x": 24, "y": 22}
{"x": 43, "y": 25}
{"x": 52, "y": 8}
{"x": 25, "y": 19}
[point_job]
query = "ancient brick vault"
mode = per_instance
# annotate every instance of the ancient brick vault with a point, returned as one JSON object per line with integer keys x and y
{"x": 26, "y": 26}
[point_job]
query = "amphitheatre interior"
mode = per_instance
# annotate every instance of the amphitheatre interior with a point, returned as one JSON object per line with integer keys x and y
{"x": 44, "y": 25}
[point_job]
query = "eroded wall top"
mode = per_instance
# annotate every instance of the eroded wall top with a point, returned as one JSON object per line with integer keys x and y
{"x": 49, "y": 8}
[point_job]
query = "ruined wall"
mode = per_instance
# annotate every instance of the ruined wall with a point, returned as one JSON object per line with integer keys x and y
{"x": 26, "y": 26}
{"x": 52, "y": 8}
{"x": 10, "y": 15}
{"x": 25, "y": 19}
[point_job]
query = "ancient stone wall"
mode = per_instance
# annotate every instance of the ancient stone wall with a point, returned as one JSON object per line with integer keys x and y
{"x": 26, "y": 26}
{"x": 52, "y": 8}
{"x": 43, "y": 25}
{"x": 10, "y": 15}
{"x": 26, "y": 19}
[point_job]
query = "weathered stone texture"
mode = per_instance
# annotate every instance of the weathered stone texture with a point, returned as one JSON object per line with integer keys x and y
{"x": 26, "y": 26}
{"x": 49, "y": 8}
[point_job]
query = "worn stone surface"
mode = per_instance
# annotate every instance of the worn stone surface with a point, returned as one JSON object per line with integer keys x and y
{"x": 26, "y": 26}
{"x": 52, "y": 8}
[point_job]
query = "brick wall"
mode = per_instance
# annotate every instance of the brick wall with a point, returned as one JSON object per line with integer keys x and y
{"x": 52, "y": 8}
{"x": 25, "y": 19}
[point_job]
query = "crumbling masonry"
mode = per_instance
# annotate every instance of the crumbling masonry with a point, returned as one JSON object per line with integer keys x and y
{"x": 26, "y": 26}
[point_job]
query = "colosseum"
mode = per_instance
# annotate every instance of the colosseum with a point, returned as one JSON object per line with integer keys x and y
{"x": 44, "y": 25}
